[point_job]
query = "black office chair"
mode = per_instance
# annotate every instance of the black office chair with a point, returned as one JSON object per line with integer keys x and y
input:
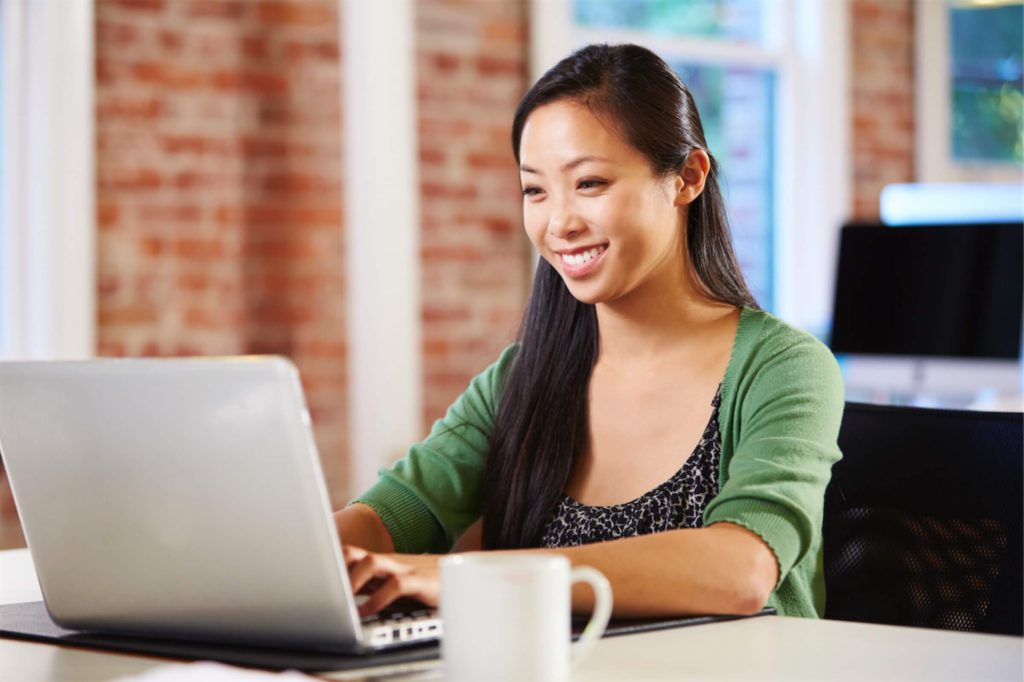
{"x": 923, "y": 519}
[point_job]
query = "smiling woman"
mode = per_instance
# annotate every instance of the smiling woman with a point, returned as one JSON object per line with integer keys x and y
{"x": 651, "y": 421}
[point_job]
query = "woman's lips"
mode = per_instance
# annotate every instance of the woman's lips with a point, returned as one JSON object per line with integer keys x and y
{"x": 581, "y": 263}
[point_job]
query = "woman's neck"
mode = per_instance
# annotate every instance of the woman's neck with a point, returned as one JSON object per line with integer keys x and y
{"x": 662, "y": 318}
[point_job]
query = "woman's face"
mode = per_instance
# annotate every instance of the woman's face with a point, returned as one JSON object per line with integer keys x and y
{"x": 592, "y": 206}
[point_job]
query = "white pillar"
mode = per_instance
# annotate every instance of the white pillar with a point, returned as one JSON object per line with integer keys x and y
{"x": 382, "y": 226}
{"x": 48, "y": 267}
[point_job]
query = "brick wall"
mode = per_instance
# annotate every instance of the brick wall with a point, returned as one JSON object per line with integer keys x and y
{"x": 472, "y": 71}
{"x": 881, "y": 99}
{"x": 219, "y": 183}
{"x": 219, "y": 189}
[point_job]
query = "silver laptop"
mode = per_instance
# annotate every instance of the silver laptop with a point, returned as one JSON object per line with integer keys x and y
{"x": 182, "y": 498}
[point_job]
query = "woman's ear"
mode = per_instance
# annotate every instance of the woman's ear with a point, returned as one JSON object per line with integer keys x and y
{"x": 689, "y": 182}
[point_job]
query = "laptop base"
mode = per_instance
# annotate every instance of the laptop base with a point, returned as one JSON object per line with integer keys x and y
{"x": 30, "y": 621}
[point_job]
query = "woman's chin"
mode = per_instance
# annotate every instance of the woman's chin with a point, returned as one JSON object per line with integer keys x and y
{"x": 585, "y": 292}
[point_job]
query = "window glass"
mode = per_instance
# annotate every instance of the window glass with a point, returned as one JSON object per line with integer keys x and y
{"x": 737, "y": 110}
{"x": 739, "y": 20}
{"x": 986, "y": 83}
{"x": 737, "y": 107}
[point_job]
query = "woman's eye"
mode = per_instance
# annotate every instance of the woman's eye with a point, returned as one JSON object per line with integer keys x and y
{"x": 590, "y": 183}
{"x": 531, "y": 191}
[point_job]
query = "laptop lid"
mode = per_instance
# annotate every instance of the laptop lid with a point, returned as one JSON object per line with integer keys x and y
{"x": 176, "y": 498}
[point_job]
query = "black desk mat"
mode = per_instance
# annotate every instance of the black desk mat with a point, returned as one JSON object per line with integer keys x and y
{"x": 30, "y": 621}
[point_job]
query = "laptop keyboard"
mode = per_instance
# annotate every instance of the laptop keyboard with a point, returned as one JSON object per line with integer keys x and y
{"x": 400, "y": 623}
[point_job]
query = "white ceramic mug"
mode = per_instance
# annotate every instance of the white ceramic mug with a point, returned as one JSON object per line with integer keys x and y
{"x": 508, "y": 617}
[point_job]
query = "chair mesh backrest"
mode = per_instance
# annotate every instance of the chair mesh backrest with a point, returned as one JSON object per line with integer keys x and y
{"x": 923, "y": 519}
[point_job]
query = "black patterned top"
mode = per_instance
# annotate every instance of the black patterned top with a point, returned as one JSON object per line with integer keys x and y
{"x": 679, "y": 502}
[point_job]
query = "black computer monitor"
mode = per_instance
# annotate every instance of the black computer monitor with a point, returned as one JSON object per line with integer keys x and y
{"x": 953, "y": 291}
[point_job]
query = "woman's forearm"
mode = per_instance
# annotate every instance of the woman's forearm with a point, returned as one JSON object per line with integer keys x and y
{"x": 359, "y": 525}
{"x": 722, "y": 569}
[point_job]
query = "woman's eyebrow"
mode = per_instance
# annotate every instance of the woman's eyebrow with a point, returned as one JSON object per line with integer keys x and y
{"x": 568, "y": 165}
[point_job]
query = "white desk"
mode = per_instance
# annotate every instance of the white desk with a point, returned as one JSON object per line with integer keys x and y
{"x": 766, "y": 648}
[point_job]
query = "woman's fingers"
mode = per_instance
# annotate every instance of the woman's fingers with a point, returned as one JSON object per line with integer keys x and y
{"x": 386, "y": 577}
{"x": 420, "y": 587}
{"x": 352, "y": 554}
{"x": 389, "y": 591}
{"x": 367, "y": 568}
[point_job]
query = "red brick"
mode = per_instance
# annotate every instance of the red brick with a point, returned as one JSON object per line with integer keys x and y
{"x": 167, "y": 74}
{"x": 294, "y": 12}
{"x": 434, "y": 189}
{"x": 285, "y": 315}
{"x": 499, "y": 66}
{"x": 131, "y": 108}
{"x": 106, "y": 74}
{"x": 487, "y": 161}
{"x": 453, "y": 253}
{"x": 198, "y": 248}
{"x": 446, "y": 62}
{"x": 506, "y": 31}
{"x": 430, "y": 156}
{"x": 131, "y": 314}
{"x": 108, "y": 284}
{"x": 263, "y": 82}
{"x": 296, "y": 51}
{"x": 107, "y": 214}
{"x": 442, "y": 313}
{"x": 295, "y": 183}
{"x": 174, "y": 213}
{"x": 192, "y": 281}
{"x": 255, "y": 47}
{"x": 110, "y": 348}
{"x": 151, "y": 246}
{"x": 194, "y": 144}
{"x": 116, "y": 33}
{"x": 172, "y": 41}
{"x": 280, "y": 249}
{"x": 190, "y": 179}
{"x": 216, "y": 9}
{"x": 133, "y": 180}
{"x": 143, "y": 5}
{"x": 260, "y": 147}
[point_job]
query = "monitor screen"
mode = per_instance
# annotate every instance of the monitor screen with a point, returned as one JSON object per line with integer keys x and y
{"x": 940, "y": 291}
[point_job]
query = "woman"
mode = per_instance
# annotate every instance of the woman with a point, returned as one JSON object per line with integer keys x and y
{"x": 639, "y": 341}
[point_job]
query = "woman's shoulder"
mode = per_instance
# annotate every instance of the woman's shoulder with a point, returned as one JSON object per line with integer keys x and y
{"x": 770, "y": 352}
{"x": 763, "y": 337}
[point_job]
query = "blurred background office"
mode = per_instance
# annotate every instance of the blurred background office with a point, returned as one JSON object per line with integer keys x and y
{"x": 331, "y": 180}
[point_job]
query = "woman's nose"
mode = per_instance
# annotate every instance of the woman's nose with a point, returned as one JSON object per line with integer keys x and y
{"x": 564, "y": 223}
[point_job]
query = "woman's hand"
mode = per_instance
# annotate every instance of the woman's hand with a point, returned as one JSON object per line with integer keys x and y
{"x": 386, "y": 577}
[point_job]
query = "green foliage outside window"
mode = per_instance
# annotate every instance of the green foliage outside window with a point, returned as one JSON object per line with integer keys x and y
{"x": 734, "y": 19}
{"x": 987, "y": 88}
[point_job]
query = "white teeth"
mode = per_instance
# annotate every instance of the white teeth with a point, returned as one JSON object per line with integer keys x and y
{"x": 581, "y": 258}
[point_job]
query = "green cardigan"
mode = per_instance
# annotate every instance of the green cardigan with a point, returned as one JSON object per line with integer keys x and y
{"x": 782, "y": 401}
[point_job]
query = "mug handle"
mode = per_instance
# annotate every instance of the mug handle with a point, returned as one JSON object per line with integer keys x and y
{"x": 602, "y": 610}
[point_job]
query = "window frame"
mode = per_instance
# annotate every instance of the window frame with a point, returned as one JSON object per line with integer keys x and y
{"x": 49, "y": 219}
{"x": 807, "y": 44}
{"x": 934, "y": 156}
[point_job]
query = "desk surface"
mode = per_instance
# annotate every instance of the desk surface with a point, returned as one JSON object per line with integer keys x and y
{"x": 768, "y": 648}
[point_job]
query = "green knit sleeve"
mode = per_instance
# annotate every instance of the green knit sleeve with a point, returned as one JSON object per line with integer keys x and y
{"x": 790, "y": 405}
{"x": 432, "y": 495}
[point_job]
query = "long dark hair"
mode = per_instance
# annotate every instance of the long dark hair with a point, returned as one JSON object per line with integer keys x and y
{"x": 541, "y": 422}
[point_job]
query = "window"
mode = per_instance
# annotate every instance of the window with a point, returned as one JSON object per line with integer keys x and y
{"x": 768, "y": 77}
{"x": 971, "y": 100}
{"x": 985, "y": 46}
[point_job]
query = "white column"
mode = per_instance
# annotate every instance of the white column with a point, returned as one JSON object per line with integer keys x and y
{"x": 382, "y": 226}
{"x": 814, "y": 162}
{"x": 48, "y": 270}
